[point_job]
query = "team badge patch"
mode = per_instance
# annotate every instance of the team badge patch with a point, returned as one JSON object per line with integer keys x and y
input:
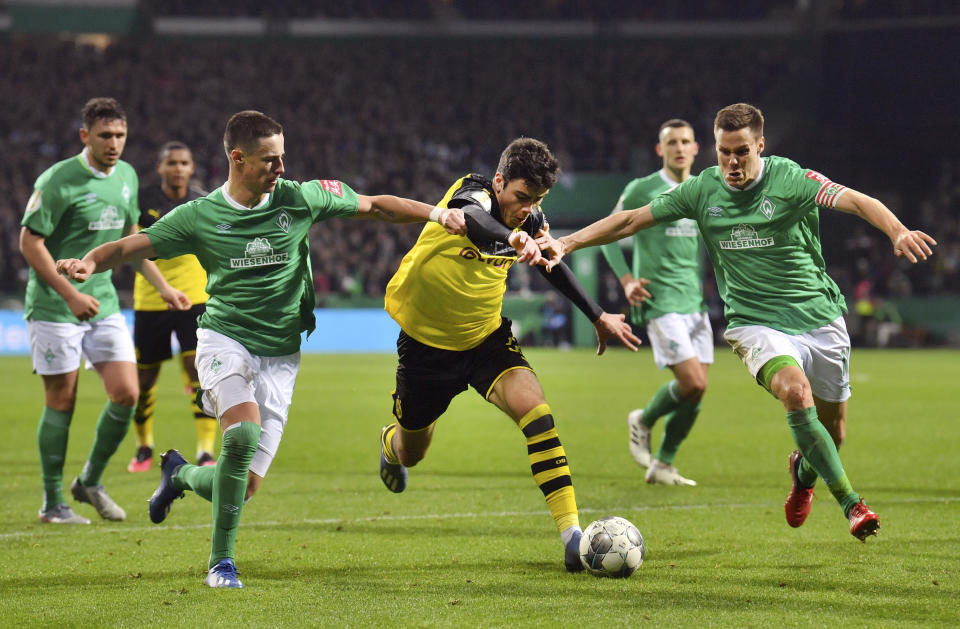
{"x": 332, "y": 186}
{"x": 33, "y": 204}
{"x": 812, "y": 174}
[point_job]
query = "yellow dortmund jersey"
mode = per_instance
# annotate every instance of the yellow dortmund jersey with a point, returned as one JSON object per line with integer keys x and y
{"x": 447, "y": 292}
{"x": 182, "y": 272}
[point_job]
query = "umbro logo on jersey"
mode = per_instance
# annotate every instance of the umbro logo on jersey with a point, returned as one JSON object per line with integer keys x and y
{"x": 223, "y": 227}
{"x": 715, "y": 211}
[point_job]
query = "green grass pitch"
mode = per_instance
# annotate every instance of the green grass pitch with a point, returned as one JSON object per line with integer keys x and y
{"x": 471, "y": 544}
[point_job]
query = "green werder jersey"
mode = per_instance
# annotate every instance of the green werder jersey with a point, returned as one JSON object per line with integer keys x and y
{"x": 667, "y": 254}
{"x": 76, "y": 208}
{"x": 257, "y": 259}
{"x": 764, "y": 242}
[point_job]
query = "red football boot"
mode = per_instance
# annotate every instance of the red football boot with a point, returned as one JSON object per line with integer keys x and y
{"x": 863, "y": 521}
{"x": 797, "y": 506}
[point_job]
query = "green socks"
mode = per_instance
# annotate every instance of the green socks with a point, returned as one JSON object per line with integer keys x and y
{"x": 663, "y": 401}
{"x": 111, "y": 429}
{"x": 197, "y": 478}
{"x": 52, "y": 441}
{"x": 677, "y": 428}
{"x": 230, "y": 486}
{"x": 820, "y": 454}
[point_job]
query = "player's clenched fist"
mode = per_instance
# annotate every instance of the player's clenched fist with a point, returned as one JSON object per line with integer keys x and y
{"x": 75, "y": 269}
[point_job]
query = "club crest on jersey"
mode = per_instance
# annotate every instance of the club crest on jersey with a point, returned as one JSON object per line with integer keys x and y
{"x": 109, "y": 219}
{"x": 332, "y": 186}
{"x": 258, "y": 252}
{"x": 125, "y": 191}
{"x": 283, "y": 221}
{"x": 744, "y": 236}
{"x": 767, "y": 208}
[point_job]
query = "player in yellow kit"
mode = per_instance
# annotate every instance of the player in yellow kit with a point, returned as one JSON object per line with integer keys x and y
{"x": 154, "y": 322}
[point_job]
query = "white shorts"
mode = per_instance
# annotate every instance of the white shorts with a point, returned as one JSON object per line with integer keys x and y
{"x": 58, "y": 348}
{"x": 823, "y": 354}
{"x": 679, "y": 337}
{"x": 231, "y": 375}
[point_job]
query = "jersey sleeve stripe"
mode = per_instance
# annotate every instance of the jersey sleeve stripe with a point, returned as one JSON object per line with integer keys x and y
{"x": 829, "y": 194}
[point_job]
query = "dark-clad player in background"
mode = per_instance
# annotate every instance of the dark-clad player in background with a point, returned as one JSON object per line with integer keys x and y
{"x": 154, "y": 322}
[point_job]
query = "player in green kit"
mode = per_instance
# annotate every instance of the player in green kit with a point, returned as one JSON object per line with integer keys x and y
{"x": 760, "y": 220}
{"x": 76, "y": 205}
{"x": 675, "y": 314}
{"x": 251, "y": 237}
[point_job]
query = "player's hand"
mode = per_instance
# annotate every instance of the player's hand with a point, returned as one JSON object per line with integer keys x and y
{"x": 451, "y": 219}
{"x": 615, "y": 326}
{"x": 83, "y": 306}
{"x": 912, "y": 245}
{"x": 635, "y": 291}
{"x": 75, "y": 269}
{"x": 176, "y": 299}
{"x": 527, "y": 249}
{"x": 554, "y": 246}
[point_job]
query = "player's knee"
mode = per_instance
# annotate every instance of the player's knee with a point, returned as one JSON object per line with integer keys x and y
{"x": 794, "y": 394}
{"x": 125, "y": 397}
{"x": 692, "y": 388}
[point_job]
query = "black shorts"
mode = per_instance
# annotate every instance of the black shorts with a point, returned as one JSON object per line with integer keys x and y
{"x": 152, "y": 329}
{"x": 428, "y": 378}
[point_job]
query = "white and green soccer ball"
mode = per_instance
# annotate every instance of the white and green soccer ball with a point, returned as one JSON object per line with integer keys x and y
{"x": 612, "y": 547}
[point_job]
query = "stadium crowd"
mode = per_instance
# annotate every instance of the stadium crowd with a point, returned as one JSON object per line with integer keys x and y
{"x": 408, "y": 118}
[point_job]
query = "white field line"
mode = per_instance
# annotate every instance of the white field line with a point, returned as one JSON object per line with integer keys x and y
{"x": 46, "y": 531}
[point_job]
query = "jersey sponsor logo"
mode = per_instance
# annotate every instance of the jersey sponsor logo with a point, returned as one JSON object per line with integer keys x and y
{"x": 332, "y": 186}
{"x": 767, "y": 208}
{"x": 259, "y": 253}
{"x": 812, "y": 174}
{"x": 283, "y": 221}
{"x": 683, "y": 228}
{"x": 109, "y": 219}
{"x": 715, "y": 211}
{"x": 469, "y": 253}
{"x": 33, "y": 203}
{"x": 745, "y": 237}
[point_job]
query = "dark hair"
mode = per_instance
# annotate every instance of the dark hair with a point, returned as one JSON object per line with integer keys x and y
{"x": 246, "y": 127}
{"x": 101, "y": 108}
{"x": 674, "y": 123}
{"x": 172, "y": 145}
{"x": 737, "y": 116}
{"x": 530, "y": 160}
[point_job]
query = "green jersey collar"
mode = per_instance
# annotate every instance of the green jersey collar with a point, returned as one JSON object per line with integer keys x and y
{"x": 264, "y": 202}
{"x": 85, "y": 160}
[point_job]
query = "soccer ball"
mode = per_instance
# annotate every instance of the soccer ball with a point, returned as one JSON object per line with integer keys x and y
{"x": 612, "y": 547}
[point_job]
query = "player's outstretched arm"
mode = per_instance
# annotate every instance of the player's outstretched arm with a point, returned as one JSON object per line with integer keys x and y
{"x": 614, "y": 326}
{"x": 607, "y": 325}
{"x": 386, "y": 207}
{"x": 910, "y": 244}
{"x": 609, "y": 229}
{"x": 107, "y": 256}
